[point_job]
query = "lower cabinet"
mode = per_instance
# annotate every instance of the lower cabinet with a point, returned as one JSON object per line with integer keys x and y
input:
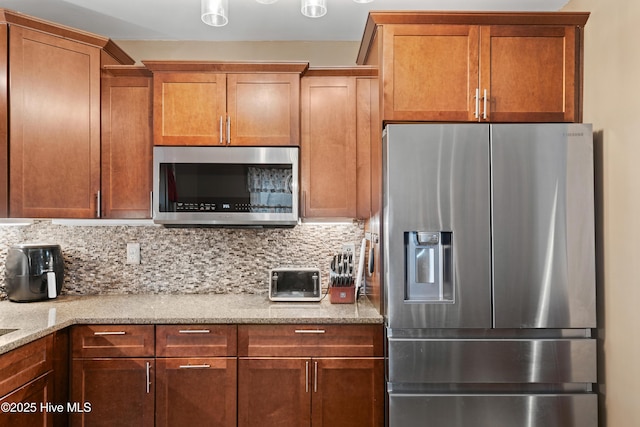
{"x": 25, "y": 404}
{"x": 28, "y": 385}
{"x": 310, "y": 375}
{"x": 196, "y": 375}
{"x": 310, "y": 392}
{"x": 196, "y": 392}
{"x": 145, "y": 375}
{"x": 226, "y": 375}
{"x": 112, "y": 392}
{"x": 112, "y": 371}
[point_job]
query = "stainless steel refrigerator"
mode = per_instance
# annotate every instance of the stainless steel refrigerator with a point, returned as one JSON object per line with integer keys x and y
{"x": 488, "y": 271}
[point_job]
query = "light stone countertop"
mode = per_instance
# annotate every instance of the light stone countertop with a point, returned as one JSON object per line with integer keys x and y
{"x": 37, "y": 319}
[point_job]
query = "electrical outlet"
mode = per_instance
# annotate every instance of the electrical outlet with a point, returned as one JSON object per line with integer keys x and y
{"x": 349, "y": 248}
{"x": 133, "y": 253}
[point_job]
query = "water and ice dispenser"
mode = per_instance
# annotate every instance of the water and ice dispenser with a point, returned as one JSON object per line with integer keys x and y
{"x": 429, "y": 266}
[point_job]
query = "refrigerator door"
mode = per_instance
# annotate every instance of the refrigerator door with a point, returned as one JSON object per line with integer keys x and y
{"x": 435, "y": 220}
{"x": 543, "y": 226}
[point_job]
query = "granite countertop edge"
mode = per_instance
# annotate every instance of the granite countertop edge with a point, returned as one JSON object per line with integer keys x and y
{"x": 32, "y": 321}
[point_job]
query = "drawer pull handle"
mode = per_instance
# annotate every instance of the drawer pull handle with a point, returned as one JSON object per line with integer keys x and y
{"x": 110, "y": 333}
{"x": 195, "y": 366}
{"x": 309, "y": 331}
{"x": 194, "y": 331}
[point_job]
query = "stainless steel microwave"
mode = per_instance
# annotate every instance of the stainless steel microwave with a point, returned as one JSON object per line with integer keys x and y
{"x": 225, "y": 185}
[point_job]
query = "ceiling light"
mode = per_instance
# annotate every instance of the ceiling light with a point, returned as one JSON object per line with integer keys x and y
{"x": 363, "y": 1}
{"x": 266, "y": 1}
{"x": 314, "y": 8}
{"x": 215, "y": 12}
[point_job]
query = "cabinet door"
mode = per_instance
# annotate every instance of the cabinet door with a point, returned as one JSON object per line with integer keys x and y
{"x": 126, "y": 147}
{"x": 119, "y": 391}
{"x": 263, "y": 109}
{"x": 23, "y": 364}
{"x": 328, "y": 147}
{"x": 28, "y": 399}
{"x": 4, "y": 122}
{"x": 55, "y": 126}
{"x": 366, "y": 133}
{"x": 274, "y": 392}
{"x": 196, "y": 392}
{"x": 529, "y": 73}
{"x": 348, "y": 392}
{"x": 430, "y": 72}
{"x": 188, "y": 108}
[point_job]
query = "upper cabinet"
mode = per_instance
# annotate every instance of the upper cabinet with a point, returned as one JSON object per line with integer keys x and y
{"x": 218, "y": 103}
{"x": 52, "y": 114}
{"x": 477, "y": 67}
{"x": 126, "y": 166}
{"x": 338, "y": 128}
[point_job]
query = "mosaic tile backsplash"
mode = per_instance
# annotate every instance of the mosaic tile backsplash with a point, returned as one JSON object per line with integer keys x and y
{"x": 181, "y": 260}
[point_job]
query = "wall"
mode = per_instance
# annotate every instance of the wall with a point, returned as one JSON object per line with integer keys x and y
{"x": 612, "y": 70}
{"x": 318, "y": 54}
{"x": 182, "y": 260}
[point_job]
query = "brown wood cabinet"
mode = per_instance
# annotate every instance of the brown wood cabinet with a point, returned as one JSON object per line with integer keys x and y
{"x": 466, "y": 67}
{"x": 336, "y": 139}
{"x": 55, "y": 126}
{"x": 26, "y": 383}
{"x": 167, "y": 375}
{"x": 127, "y": 145}
{"x": 4, "y": 122}
{"x": 196, "y": 375}
{"x": 119, "y": 391}
{"x": 325, "y": 375}
{"x": 53, "y": 117}
{"x": 25, "y": 404}
{"x": 112, "y": 369}
{"x": 217, "y": 103}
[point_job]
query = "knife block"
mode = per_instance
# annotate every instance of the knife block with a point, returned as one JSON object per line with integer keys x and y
{"x": 342, "y": 294}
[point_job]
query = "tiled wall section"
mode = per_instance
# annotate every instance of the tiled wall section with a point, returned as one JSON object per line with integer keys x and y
{"x": 181, "y": 260}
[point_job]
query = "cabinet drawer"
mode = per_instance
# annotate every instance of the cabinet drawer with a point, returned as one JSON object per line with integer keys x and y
{"x": 310, "y": 340}
{"x": 112, "y": 341}
{"x": 196, "y": 340}
{"x": 25, "y": 363}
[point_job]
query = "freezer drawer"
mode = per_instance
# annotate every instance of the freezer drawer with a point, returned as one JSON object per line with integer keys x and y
{"x": 492, "y": 361}
{"x": 530, "y": 410}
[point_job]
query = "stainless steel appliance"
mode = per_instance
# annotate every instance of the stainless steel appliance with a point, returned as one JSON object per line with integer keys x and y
{"x": 295, "y": 284}
{"x": 225, "y": 185}
{"x": 34, "y": 272}
{"x": 489, "y": 275}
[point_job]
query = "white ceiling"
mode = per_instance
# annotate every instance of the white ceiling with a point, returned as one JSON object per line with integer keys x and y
{"x": 248, "y": 20}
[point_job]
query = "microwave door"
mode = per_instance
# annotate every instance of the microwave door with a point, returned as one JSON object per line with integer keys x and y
{"x": 226, "y": 185}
